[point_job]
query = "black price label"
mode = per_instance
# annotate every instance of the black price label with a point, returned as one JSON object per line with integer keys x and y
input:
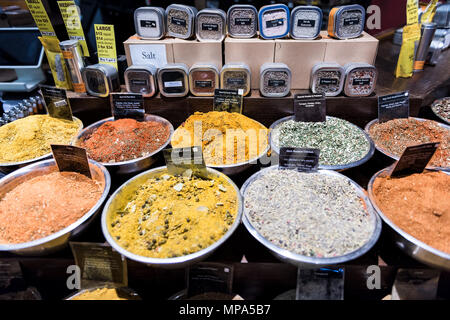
{"x": 127, "y": 105}
{"x": 236, "y": 81}
{"x": 58, "y": 105}
{"x": 328, "y": 81}
{"x": 243, "y": 21}
{"x": 178, "y": 22}
{"x": 99, "y": 264}
{"x": 72, "y": 159}
{"x": 393, "y": 106}
{"x": 139, "y": 82}
{"x": 203, "y": 83}
{"x": 310, "y": 108}
{"x": 361, "y": 81}
{"x": 227, "y": 100}
{"x": 208, "y": 277}
{"x": 305, "y": 23}
{"x": 210, "y": 27}
{"x": 185, "y": 161}
{"x": 414, "y": 159}
{"x": 353, "y": 20}
{"x": 148, "y": 24}
{"x": 300, "y": 159}
{"x": 320, "y": 284}
{"x": 274, "y": 23}
{"x": 276, "y": 83}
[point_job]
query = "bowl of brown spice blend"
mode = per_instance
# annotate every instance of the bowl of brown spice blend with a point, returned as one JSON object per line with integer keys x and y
{"x": 416, "y": 208}
{"x": 42, "y": 209}
{"x": 126, "y": 146}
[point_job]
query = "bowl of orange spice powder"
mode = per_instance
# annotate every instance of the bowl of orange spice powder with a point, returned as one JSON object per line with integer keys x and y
{"x": 126, "y": 146}
{"x": 417, "y": 210}
{"x": 42, "y": 209}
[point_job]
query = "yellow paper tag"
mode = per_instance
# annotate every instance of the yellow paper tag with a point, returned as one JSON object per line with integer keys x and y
{"x": 405, "y": 65}
{"x": 41, "y": 18}
{"x": 412, "y": 12}
{"x": 106, "y": 44}
{"x": 69, "y": 13}
{"x": 428, "y": 15}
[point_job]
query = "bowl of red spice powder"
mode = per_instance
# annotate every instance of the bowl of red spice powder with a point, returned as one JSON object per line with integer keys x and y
{"x": 42, "y": 209}
{"x": 392, "y": 138}
{"x": 126, "y": 146}
{"x": 416, "y": 209}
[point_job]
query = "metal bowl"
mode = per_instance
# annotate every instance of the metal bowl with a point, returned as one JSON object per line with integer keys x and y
{"x": 129, "y": 166}
{"x": 9, "y": 167}
{"x": 57, "y": 240}
{"x": 177, "y": 262}
{"x": 236, "y": 168}
{"x": 127, "y": 292}
{"x": 341, "y": 167}
{"x": 313, "y": 262}
{"x": 392, "y": 156}
{"x": 404, "y": 241}
{"x": 437, "y": 114}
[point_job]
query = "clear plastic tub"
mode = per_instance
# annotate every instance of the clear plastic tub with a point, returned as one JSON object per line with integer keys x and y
{"x": 275, "y": 80}
{"x": 141, "y": 79}
{"x": 173, "y": 80}
{"x": 150, "y": 22}
{"x": 236, "y": 76}
{"x": 181, "y": 21}
{"x": 306, "y": 22}
{"x": 274, "y": 21}
{"x": 346, "y": 22}
{"x": 203, "y": 79}
{"x": 242, "y": 21}
{"x": 327, "y": 78}
{"x": 211, "y": 25}
{"x": 360, "y": 79}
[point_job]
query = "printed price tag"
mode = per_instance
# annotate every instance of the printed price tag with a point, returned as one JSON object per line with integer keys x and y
{"x": 209, "y": 277}
{"x": 71, "y": 158}
{"x": 393, "y": 106}
{"x": 320, "y": 284}
{"x": 127, "y": 105}
{"x": 414, "y": 159}
{"x": 185, "y": 161}
{"x": 99, "y": 264}
{"x": 106, "y": 44}
{"x": 416, "y": 284}
{"x": 310, "y": 108}
{"x": 301, "y": 159}
{"x": 72, "y": 21}
{"x": 228, "y": 100}
{"x": 58, "y": 106}
{"x": 41, "y": 18}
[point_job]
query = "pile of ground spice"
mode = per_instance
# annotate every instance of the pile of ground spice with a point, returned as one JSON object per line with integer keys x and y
{"x": 31, "y": 137}
{"x": 418, "y": 204}
{"x": 45, "y": 205}
{"x": 125, "y": 139}
{"x": 170, "y": 216}
{"x": 225, "y": 137}
{"x": 396, "y": 135}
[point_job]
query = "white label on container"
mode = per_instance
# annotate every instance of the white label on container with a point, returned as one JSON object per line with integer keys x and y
{"x": 173, "y": 84}
{"x": 144, "y": 54}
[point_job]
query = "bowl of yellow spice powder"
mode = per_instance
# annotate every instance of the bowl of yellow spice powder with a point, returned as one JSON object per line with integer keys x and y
{"x": 28, "y": 140}
{"x": 172, "y": 221}
{"x": 230, "y": 141}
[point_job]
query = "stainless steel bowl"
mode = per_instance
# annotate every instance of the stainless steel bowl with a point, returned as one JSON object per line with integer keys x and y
{"x": 404, "y": 241}
{"x": 128, "y": 293}
{"x": 437, "y": 114}
{"x": 177, "y": 262}
{"x": 341, "y": 167}
{"x": 396, "y": 158}
{"x": 9, "y": 167}
{"x": 58, "y": 240}
{"x": 313, "y": 262}
{"x": 129, "y": 166}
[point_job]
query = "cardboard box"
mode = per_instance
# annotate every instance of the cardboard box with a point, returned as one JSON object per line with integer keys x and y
{"x": 142, "y": 51}
{"x": 254, "y": 52}
{"x": 194, "y": 51}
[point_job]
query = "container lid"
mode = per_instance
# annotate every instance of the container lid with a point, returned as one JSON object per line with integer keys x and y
{"x": 148, "y": 68}
{"x": 210, "y": 11}
{"x": 204, "y": 66}
{"x": 175, "y": 67}
{"x": 236, "y": 66}
{"x": 327, "y": 65}
{"x": 275, "y": 66}
{"x": 355, "y": 65}
{"x": 243, "y": 7}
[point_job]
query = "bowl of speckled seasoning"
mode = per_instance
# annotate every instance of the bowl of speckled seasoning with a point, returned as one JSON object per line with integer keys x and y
{"x": 310, "y": 220}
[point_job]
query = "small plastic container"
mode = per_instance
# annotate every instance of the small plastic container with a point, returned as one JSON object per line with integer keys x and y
{"x": 173, "y": 80}
{"x": 274, "y": 21}
{"x": 141, "y": 79}
{"x": 150, "y": 22}
{"x": 236, "y": 76}
{"x": 346, "y": 22}
{"x": 242, "y": 21}
{"x": 211, "y": 25}
{"x": 100, "y": 79}
{"x": 360, "y": 79}
{"x": 181, "y": 21}
{"x": 275, "y": 80}
{"x": 203, "y": 79}
{"x": 306, "y": 22}
{"x": 327, "y": 78}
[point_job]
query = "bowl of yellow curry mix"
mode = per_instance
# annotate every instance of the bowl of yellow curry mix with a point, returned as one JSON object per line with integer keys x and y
{"x": 28, "y": 140}
{"x": 172, "y": 221}
{"x": 230, "y": 141}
